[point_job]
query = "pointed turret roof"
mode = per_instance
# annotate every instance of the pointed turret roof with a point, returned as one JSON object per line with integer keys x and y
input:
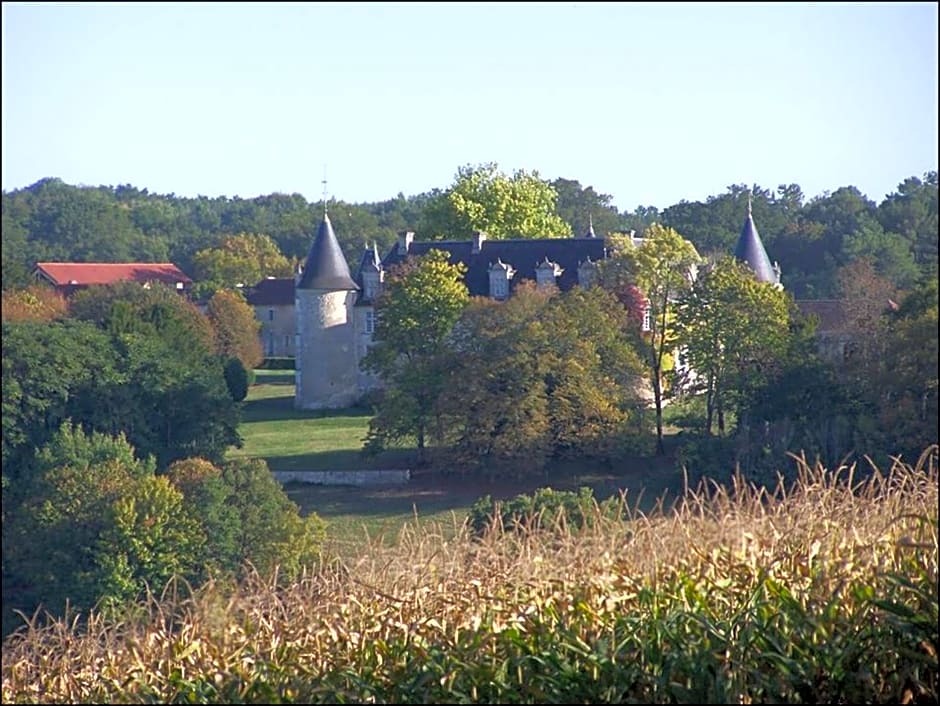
{"x": 370, "y": 260}
{"x": 326, "y": 266}
{"x": 750, "y": 250}
{"x": 590, "y": 231}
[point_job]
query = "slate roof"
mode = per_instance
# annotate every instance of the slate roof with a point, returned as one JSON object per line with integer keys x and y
{"x": 326, "y": 267}
{"x": 272, "y": 291}
{"x": 751, "y": 250}
{"x": 69, "y": 276}
{"x": 524, "y": 255}
{"x": 830, "y": 312}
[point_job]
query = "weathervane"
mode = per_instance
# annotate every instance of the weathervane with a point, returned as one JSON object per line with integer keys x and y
{"x": 324, "y": 189}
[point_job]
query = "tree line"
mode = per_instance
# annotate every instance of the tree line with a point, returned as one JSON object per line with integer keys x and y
{"x": 811, "y": 238}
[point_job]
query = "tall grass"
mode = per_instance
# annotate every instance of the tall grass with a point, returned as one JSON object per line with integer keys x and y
{"x": 825, "y": 591}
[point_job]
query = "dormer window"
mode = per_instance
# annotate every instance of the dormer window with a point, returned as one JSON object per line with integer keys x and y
{"x": 372, "y": 273}
{"x": 370, "y": 285}
{"x": 547, "y": 273}
{"x": 500, "y": 274}
{"x": 587, "y": 273}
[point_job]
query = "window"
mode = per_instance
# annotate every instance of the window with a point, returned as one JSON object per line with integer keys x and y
{"x": 500, "y": 287}
{"x": 647, "y": 323}
{"x": 370, "y": 322}
{"x": 270, "y": 314}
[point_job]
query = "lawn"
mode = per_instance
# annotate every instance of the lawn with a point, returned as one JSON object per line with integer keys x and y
{"x": 290, "y": 439}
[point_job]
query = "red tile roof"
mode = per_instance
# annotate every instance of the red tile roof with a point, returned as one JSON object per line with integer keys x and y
{"x": 63, "y": 274}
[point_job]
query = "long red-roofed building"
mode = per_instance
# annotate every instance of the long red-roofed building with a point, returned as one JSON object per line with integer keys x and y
{"x": 68, "y": 277}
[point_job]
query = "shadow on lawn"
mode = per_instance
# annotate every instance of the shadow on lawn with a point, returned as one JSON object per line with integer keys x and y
{"x": 342, "y": 460}
{"x": 280, "y": 408}
{"x": 645, "y": 482}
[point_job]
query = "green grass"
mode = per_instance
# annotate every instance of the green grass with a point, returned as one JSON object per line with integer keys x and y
{"x": 303, "y": 440}
{"x": 300, "y": 440}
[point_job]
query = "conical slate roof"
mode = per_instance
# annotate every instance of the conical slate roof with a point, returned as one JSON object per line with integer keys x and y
{"x": 590, "y": 231}
{"x": 750, "y": 250}
{"x": 326, "y": 266}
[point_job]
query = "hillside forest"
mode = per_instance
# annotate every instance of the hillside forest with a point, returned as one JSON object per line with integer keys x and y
{"x": 810, "y": 236}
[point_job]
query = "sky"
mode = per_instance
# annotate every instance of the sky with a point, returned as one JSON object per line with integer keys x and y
{"x": 650, "y": 104}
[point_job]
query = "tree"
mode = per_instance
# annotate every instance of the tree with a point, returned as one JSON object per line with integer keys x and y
{"x": 33, "y": 303}
{"x": 484, "y": 199}
{"x": 95, "y": 525}
{"x": 271, "y": 534}
{"x": 541, "y": 375}
{"x": 495, "y": 412}
{"x": 912, "y": 409}
{"x": 661, "y": 267}
{"x": 911, "y": 212}
{"x": 583, "y": 208}
{"x": 732, "y": 329}
{"x": 128, "y": 308}
{"x": 236, "y": 378}
{"x": 247, "y": 520}
{"x": 236, "y": 328}
{"x": 48, "y": 369}
{"x": 147, "y": 369}
{"x": 419, "y": 305}
{"x": 241, "y": 260}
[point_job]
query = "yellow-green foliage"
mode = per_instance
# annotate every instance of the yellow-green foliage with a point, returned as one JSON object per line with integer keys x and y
{"x": 823, "y": 592}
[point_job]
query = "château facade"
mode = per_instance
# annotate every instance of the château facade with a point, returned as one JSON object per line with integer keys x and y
{"x": 334, "y": 308}
{"x": 331, "y": 309}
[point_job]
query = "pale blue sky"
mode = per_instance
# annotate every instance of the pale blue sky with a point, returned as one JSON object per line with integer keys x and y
{"x": 650, "y": 103}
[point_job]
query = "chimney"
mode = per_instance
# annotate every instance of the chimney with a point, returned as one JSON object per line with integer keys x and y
{"x": 478, "y": 237}
{"x": 405, "y": 237}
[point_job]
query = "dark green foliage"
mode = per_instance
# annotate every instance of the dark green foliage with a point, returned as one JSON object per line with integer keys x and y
{"x": 236, "y": 379}
{"x": 811, "y": 238}
{"x": 97, "y": 526}
{"x": 270, "y": 530}
{"x": 52, "y": 371}
{"x": 93, "y": 524}
{"x": 545, "y": 508}
{"x": 247, "y": 520}
{"x": 151, "y": 380}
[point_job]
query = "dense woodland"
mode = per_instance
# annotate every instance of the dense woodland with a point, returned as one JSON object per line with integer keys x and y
{"x": 810, "y": 236}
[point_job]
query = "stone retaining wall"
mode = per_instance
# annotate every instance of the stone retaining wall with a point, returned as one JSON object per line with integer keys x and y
{"x": 386, "y": 477}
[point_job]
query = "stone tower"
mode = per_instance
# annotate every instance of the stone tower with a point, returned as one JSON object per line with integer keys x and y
{"x": 326, "y": 362}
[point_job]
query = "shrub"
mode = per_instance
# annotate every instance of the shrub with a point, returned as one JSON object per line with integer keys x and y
{"x": 236, "y": 378}
{"x": 545, "y": 508}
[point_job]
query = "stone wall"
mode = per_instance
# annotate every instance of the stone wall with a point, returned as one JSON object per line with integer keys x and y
{"x": 382, "y": 477}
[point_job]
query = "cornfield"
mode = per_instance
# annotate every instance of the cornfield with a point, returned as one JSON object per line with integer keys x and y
{"x": 823, "y": 591}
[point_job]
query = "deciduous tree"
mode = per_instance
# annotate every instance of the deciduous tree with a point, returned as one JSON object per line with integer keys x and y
{"x": 236, "y": 328}
{"x": 483, "y": 198}
{"x": 242, "y": 259}
{"x": 662, "y": 267}
{"x": 733, "y": 330}
{"x": 419, "y": 305}
{"x": 33, "y": 303}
